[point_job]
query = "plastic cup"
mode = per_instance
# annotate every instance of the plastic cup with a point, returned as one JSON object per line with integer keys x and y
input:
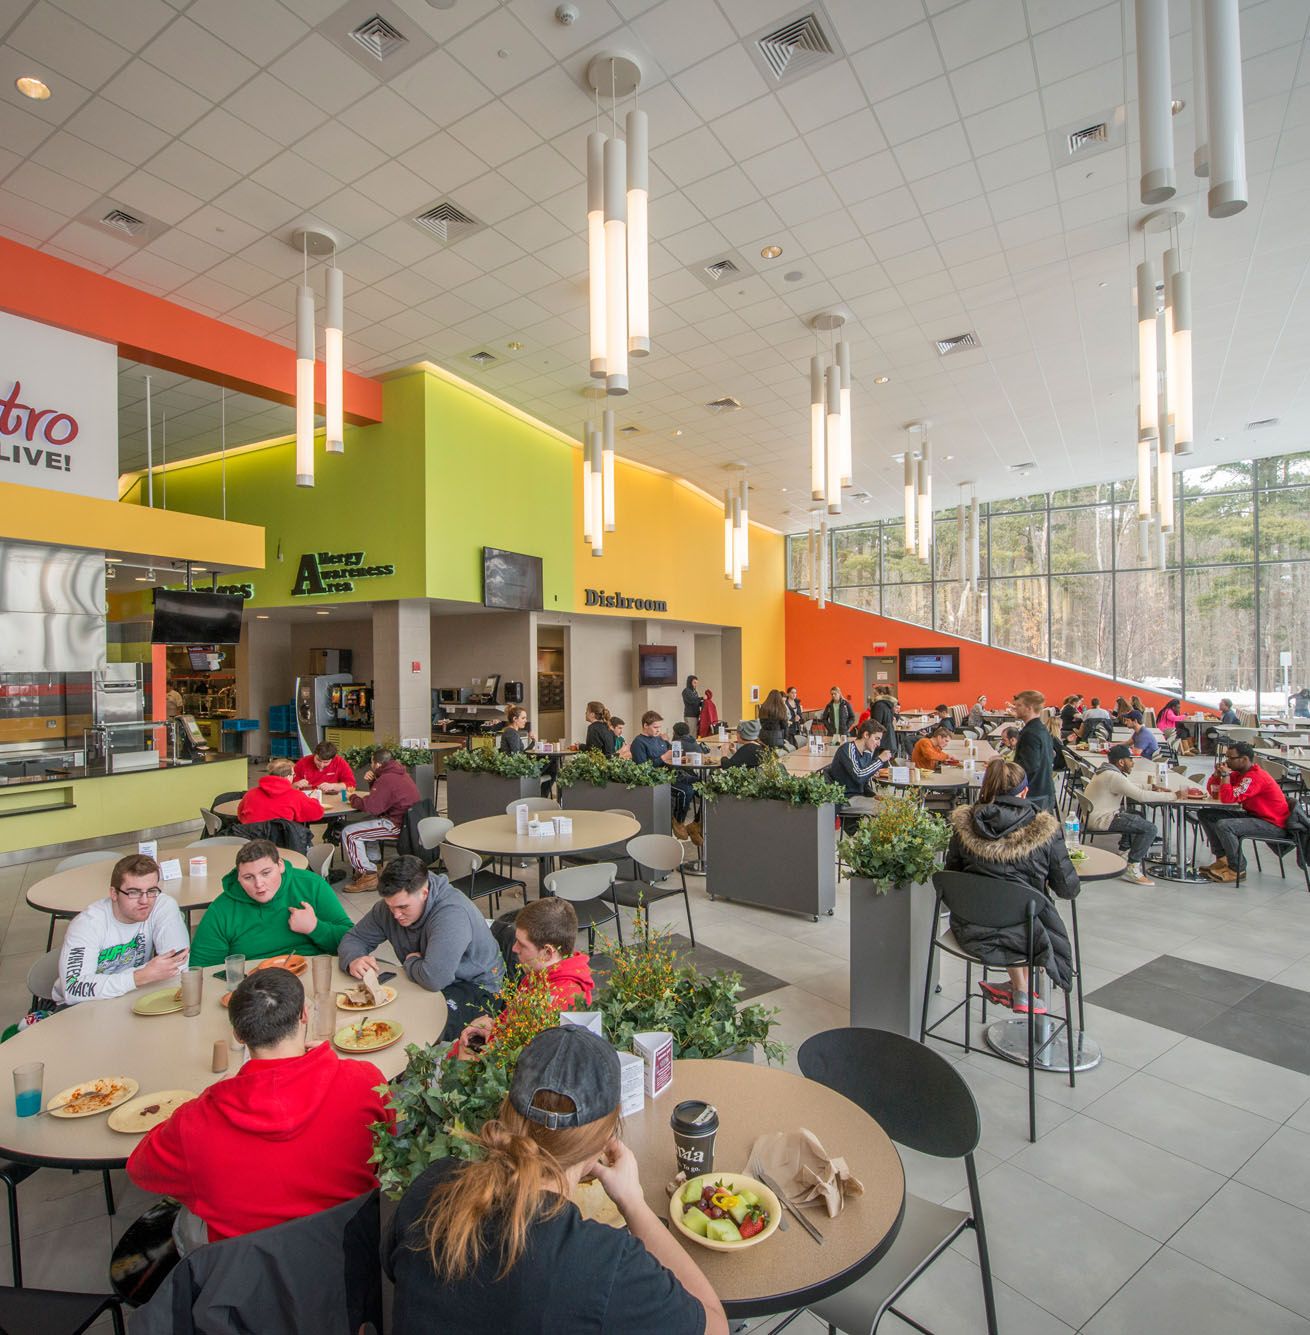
{"x": 219, "y": 1063}
{"x": 235, "y": 966}
{"x": 322, "y": 1017}
{"x": 320, "y": 969}
{"x": 193, "y": 986}
{"x": 28, "y": 1082}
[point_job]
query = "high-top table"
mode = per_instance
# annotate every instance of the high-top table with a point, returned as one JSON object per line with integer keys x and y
{"x": 788, "y": 1270}
{"x": 99, "y": 1038}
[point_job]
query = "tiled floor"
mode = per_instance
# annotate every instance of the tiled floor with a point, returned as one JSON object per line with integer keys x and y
{"x": 1168, "y": 1191}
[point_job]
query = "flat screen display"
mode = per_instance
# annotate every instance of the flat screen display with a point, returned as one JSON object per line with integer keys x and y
{"x": 930, "y": 664}
{"x": 657, "y": 665}
{"x": 196, "y": 618}
{"x": 511, "y": 580}
{"x": 201, "y": 658}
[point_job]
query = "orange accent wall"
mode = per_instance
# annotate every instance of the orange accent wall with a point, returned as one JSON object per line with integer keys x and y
{"x": 828, "y": 648}
{"x": 161, "y": 333}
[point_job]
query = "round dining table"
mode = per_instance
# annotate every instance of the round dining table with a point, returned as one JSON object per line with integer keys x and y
{"x": 334, "y": 804}
{"x": 65, "y": 894}
{"x": 162, "y": 1052}
{"x": 498, "y": 836}
{"x": 788, "y": 1270}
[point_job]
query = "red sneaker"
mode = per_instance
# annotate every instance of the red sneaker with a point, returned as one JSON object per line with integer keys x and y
{"x": 1024, "y": 1002}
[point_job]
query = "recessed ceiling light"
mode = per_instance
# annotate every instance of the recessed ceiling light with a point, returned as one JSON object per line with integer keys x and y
{"x": 881, "y": 379}
{"x": 678, "y": 432}
{"x": 261, "y": 616}
{"x": 514, "y": 345}
{"x": 949, "y": 457}
{"x": 322, "y": 612}
{"x": 32, "y": 87}
{"x": 770, "y": 252}
{"x": 1177, "y": 105}
{"x": 783, "y": 490}
{"x": 1219, "y": 438}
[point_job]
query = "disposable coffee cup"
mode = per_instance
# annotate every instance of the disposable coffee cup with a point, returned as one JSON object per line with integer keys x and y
{"x": 695, "y": 1123}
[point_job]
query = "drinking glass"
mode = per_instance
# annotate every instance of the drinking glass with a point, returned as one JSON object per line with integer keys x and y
{"x": 193, "y": 986}
{"x": 28, "y": 1082}
{"x": 236, "y": 969}
{"x": 321, "y": 972}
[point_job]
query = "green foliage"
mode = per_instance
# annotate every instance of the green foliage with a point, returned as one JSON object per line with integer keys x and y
{"x": 897, "y": 845}
{"x": 492, "y": 760}
{"x": 770, "y": 782}
{"x": 359, "y": 757}
{"x": 596, "y": 768}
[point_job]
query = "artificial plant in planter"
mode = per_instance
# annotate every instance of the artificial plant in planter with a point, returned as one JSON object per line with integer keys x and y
{"x": 892, "y": 856}
{"x": 484, "y": 781}
{"x": 772, "y": 837}
{"x": 593, "y": 781}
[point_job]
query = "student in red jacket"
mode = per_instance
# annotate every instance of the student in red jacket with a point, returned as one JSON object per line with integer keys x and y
{"x": 1253, "y": 805}
{"x": 286, "y": 1136}
{"x": 545, "y": 933}
{"x": 323, "y": 768}
{"x": 274, "y": 798}
{"x": 390, "y": 795}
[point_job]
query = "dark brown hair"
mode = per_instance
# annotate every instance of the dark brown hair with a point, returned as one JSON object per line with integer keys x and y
{"x": 135, "y": 864}
{"x": 1001, "y": 777}
{"x": 551, "y": 921}
{"x": 325, "y": 751}
{"x": 256, "y": 850}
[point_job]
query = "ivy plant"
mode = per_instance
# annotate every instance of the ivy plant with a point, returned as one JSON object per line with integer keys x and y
{"x": 770, "y": 782}
{"x": 598, "y": 769}
{"x": 360, "y": 757}
{"x": 491, "y": 760}
{"x": 897, "y": 845}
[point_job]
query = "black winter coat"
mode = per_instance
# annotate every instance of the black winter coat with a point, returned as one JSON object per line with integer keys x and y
{"x": 773, "y": 732}
{"x": 883, "y": 713}
{"x": 1012, "y": 841}
{"x": 1035, "y": 755}
{"x": 692, "y": 702}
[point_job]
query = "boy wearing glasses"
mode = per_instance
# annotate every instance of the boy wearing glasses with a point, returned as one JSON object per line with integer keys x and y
{"x": 133, "y": 937}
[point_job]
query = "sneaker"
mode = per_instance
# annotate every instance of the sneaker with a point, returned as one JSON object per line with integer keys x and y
{"x": 1025, "y": 1002}
{"x": 1135, "y": 877}
{"x": 998, "y": 993}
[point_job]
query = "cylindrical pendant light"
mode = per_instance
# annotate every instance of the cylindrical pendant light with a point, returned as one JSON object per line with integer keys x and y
{"x": 597, "y": 494}
{"x": 587, "y": 481}
{"x": 1200, "y": 116}
{"x": 1154, "y": 101}
{"x": 616, "y": 268}
{"x": 823, "y": 564}
{"x": 596, "y": 248}
{"x": 334, "y": 320}
{"x": 736, "y": 541}
{"x": 1182, "y": 309}
{"x": 1223, "y": 91}
{"x": 925, "y": 500}
{"x": 1144, "y": 532}
{"x": 1143, "y": 479}
{"x": 961, "y": 541}
{"x": 727, "y": 533}
{"x": 911, "y": 499}
{"x": 810, "y": 568}
{"x": 1166, "y": 344}
{"x": 1148, "y": 419}
{"x": 975, "y": 556}
{"x": 832, "y": 442}
{"x": 607, "y": 469}
{"x": 844, "y": 367}
{"x": 1164, "y": 460}
{"x": 818, "y": 474}
{"x": 637, "y": 136}
{"x": 305, "y": 386}
{"x": 1161, "y": 546}
{"x": 745, "y": 493}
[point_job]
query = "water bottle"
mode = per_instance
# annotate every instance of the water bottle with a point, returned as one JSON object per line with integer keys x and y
{"x": 1072, "y": 829}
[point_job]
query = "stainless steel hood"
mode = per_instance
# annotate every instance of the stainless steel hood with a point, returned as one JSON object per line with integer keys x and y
{"x": 52, "y": 609}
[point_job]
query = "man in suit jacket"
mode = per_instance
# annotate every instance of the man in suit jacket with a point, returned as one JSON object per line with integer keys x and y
{"x": 1035, "y": 752}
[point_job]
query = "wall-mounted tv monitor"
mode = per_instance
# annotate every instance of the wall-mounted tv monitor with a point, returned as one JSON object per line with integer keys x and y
{"x": 511, "y": 580}
{"x": 196, "y": 618}
{"x": 657, "y": 665}
{"x": 930, "y": 665}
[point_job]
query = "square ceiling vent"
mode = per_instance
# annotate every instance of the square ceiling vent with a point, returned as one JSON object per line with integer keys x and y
{"x": 124, "y": 221}
{"x": 1086, "y": 138}
{"x": 447, "y": 222}
{"x": 957, "y": 343}
{"x": 378, "y": 35}
{"x": 795, "y": 46}
{"x": 720, "y": 270}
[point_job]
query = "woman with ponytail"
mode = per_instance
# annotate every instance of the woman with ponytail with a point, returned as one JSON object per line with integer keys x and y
{"x": 600, "y": 736}
{"x": 498, "y": 1245}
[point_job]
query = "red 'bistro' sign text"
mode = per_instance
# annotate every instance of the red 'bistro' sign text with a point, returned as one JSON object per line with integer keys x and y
{"x": 27, "y": 434}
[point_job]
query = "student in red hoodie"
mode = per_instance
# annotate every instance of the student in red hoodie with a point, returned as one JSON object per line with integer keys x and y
{"x": 1253, "y": 805}
{"x": 390, "y": 795}
{"x": 274, "y": 798}
{"x": 286, "y": 1136}
{"x": 323, "y": 768}
{"x": 545, "y": 933}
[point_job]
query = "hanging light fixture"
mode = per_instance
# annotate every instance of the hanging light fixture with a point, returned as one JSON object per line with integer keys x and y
{"x": 735, "y": 519}
{"x": 818, "y": 473}
{"x": 333, "y": 334}
{"x": 1223, "y": 94}
{"x": 305, "y": 384}
{"x": 1166, "y": 320}
{"x": 844, "y": 368}
{"x": 596, "y": 248}
{"x": 911, "y": 501}
{"x": 1182, "y": 315}
{"x": 1143, "y": 541}
{"x": 636, "y": 133}
{"x": 832, "y": 444}
{"x": 823, "y": 564}
{"x": 587, "y": 481}
{"x": 597, "y": 494}
{"x": 607, "y": 470}
{"x": 925, "y": 499}
{"x": 975, "y": 556}
{"x": 961, "y": 541}
{"x": 1148, "y": 418}
{"x": 1155, "y": 100}
{"x": 616, "y": 265}
{"x": 810, "y": 568}
{"x": 744, "y": 491}
{"x": 727, "y": 533}
{"x": 1200, "y": 116}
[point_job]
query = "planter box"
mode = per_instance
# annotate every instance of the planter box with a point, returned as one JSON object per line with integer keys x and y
{"x": 424, "y": 777}
{"x": 470, "y": 796}
{"x": 890, "y": 935}
{"x": 652, "y": 807}
{"x": 773, "y": 854}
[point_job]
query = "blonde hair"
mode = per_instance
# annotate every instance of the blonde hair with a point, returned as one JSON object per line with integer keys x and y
{"x": 282, "y": 767}
{"x": 522, "y": 1177}
{"x": 1000, "y": 778}
{"x": 595, "y": 707}
{"x": 1033, "y": 699}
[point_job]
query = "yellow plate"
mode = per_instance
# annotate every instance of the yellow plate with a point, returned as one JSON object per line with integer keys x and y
{"x": 382, "y": 1034}
{"x": 167, "y": 1001}
{"x": 92, "y": 1097}
{"x": 734, "y": 1182}
{"x": 148, "y": 1110}
{"x": 389, "y": 995}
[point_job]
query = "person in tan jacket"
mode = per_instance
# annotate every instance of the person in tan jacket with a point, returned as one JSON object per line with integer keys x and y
{"x": 1106, "y": 794}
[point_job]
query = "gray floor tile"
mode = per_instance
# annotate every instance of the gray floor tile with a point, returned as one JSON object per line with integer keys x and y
{"x": 1164, "y": 1006}
{"x": 1254, "y": 1239}
{"x": 1262, "y": 1036}
{"x": 1281, "y": 1167}
{"x": 1136, "y": 1183}
{"x": 1003, "y": 1108}
{"x": 1127, "y": 1039}
{"x": 1256, "y": 961}
{"x": 1171, "y": 1292}
{"x": 1197, "y": 980}
{"x": 1289, "y": 1004}
{"x": 1203, "y": 1130}
{"x": 1233, "y": 1077}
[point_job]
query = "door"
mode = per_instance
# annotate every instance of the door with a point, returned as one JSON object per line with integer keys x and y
{"x": 879, "y": 670}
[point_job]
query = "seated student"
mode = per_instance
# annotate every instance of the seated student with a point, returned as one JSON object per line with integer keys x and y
{"x": 496, "y": 1244}
{"x": 622, "y": 746}
{"x": 751, "y": 752}
{"x": 928, "y": 752}
{"x": 976, "y": 722}
{"x": 1069, "y": 714}
{"x": 600, "y": 732}
{"x": 545, "y": 937}
{"x": 1007, "y": 740}
{"x": 943, "y": 714}
{"x": 323, "y": 768}
{"x": 133, "y": 937}
{"x": 1227, "y": 714}
{"x": 1254, "y": 804}
{"x": 1093, "y": 729}
{"x": 275, "y": 798}
{"x": 516, "y": 736}
{"x": 1107, "y": 791}
{"x": 391, "y": 794}
{"x": 268, "y": 907}
{"x": 860, "y": 760}
{"x": 1094, "y": 710}
{"x": 682, "y": 734}
{"x": 440, "y": 937}
{"x": 285, "y": 1135}
{"x": 650, "y": 747}
{"x": 1143, "y": 741}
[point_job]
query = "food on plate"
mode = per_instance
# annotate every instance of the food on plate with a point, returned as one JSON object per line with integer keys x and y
{"x": 1077, "y": 856}
{"x": 711, "y": 1210}
{"x": 367, "y": 1036}
{"x": 144, "y": 1113}
{"x": 593, "y": 1202}
{"x": 294, "y": 963}
{"x": 357, "y": 998}
{"x": 93, "y": 1096}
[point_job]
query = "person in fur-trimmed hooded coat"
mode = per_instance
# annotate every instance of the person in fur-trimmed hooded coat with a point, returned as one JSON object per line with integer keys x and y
{"x": 1006, "y": 837}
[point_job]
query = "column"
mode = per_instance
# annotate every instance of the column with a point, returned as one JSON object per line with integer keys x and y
{"x": 402, "y": 669}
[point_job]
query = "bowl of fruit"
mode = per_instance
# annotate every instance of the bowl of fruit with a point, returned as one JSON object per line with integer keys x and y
{"x": 725, "y": 1211}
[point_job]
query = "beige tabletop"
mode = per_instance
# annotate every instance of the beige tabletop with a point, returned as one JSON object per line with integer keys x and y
{"x": 802, "y": 762}
{"x": 982, "y": 751}
{"x": 69, "y": 892}
{"x": 333, "y": 804}
{"x": 1288, "y": 757}
{"x": 497, "y": 835}
{"x": 954, "y": 776}
{"x": 98, "y": 1038}
{"x": 789, "y": 1269}
{"x": 1099, "y": 864}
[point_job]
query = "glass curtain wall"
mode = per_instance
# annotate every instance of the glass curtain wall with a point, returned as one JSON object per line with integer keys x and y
{"x": 1062, "y": 578}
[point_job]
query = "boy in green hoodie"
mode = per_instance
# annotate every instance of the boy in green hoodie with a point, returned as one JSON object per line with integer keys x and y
{"x": 268, "y": 907}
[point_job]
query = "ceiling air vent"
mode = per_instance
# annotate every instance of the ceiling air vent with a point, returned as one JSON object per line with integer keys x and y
{"x": 378, "y": 37}
{"x": 447, "y": 222}
{"x": 803, "y": 42}
{"x": 629, "y": 430}
{"x": 120, "y": 220}
{"x": 127, "y": 224}
{"x": 727, "y": 404}
{"x": 1261, "y": 422}
{"x": 1090, "y": 136}
{"x": 957, "y": 343}
{"x": 1098, "y": 130}
{"x": 483, "y": 358}
{"x": 721, "y": 269}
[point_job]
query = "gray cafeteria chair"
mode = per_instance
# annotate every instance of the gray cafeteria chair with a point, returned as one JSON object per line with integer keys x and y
{"x": 656, "y": 857}
{"x": 76, "y": 860}
{"x": 55, "y": 1312}
{"x": 587, "y": 888}
{"x": 41, "y": 977}
{"x": 468, "y": 874}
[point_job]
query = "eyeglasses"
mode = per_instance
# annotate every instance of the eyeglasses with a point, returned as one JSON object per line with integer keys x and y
{"x": 138, "y": 895}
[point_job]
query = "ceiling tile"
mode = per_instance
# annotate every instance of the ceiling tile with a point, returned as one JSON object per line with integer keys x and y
{"x": 691, "y": 157}
{"x": 384, "y": 118}
{"x": 292, "y": 177}
{"x": 934, "y": 152}
{"x": 822, "y": 97}
{"x": 898, "y": 63}
{"x": 495, "y": 134}
{"x": 259, "y": 30}
{"x": 844, "y": 141}
{"x": 722, "y": 82}
{"x": 54, "y": 38}
{"x": 865, "y": 179}
{"x": 325, "y": 76}
{"x": 977, "y": 28}
{"x": 1009, "y": 123}
{"x": 268, "y": 104}
{"x": 499, "y": 51}
{"x": 493, "y": 197}
{"x": 155, "y": 96}
{"x": 193, "y": 171}
{"x": 104, "y": 125}
{"x": 198, "y": 59}
{"x": 130, "y": 26}
{"x": 916, "y": 111}
{"x": 233, "y": 142}
{"x": 83, "y": 162}
{"x": 667, "y": 27}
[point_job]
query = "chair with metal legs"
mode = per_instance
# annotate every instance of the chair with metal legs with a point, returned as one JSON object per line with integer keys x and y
{"x": 920, "y": 1100}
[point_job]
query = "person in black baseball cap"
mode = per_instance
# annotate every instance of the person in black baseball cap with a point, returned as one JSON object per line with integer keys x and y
{"x": 1105, "y": 796}
{"x": 498, "y": 1244}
